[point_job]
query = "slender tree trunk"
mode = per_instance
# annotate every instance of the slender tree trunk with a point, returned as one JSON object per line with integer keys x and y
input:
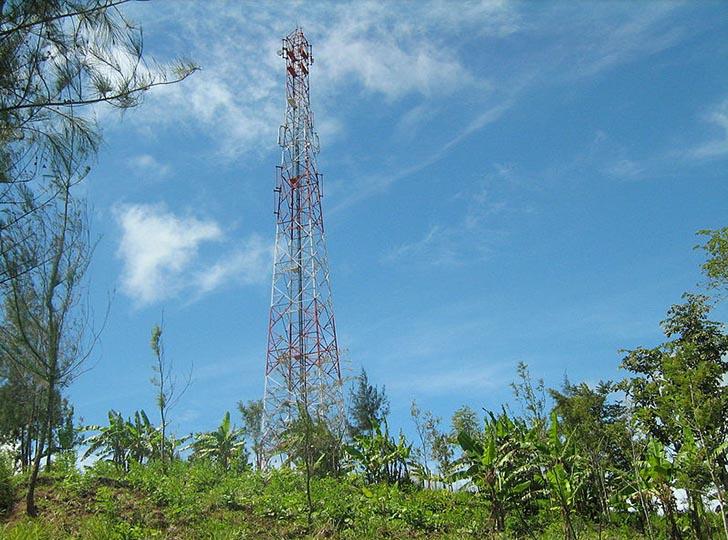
{"x": 162, "y": 406}
{"x": 28, "y": 455}
{"x": 23, "y": 446}
{"x": 721, "y": 501}
{"x": 569, "y": 532}
{"x": 496, "y": 511}
{"x": 52, "y": 343}
{"x": 694, "y": 514}
{"x": 29, "y": 449}
{"x": 30, "y": 506}
{"x": 162, "y": 448}
{"x": 49, "y": 445}
{"x": 721, "y": 496}
{"x": 669, "y": 509}
{"x": 603, "y": 495}
{"x": 707, "y": 526}
{"x": 638, "y": 481}
{"x": 716, "y": 481}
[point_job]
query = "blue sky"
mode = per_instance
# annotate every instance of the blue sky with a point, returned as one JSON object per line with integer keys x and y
{"x": 503, "y": 182}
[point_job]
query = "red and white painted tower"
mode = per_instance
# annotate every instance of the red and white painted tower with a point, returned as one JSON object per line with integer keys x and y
{"x": 302, "y": 370}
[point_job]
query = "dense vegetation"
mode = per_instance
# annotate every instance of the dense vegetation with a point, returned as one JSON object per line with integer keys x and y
{"x": 642, "y": 457}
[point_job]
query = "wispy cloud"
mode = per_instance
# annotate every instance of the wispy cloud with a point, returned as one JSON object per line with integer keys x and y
{"x": 577, "y": 45}
{"x": 717, "y": 147}
{"x": 160, "y": 252}
{"x": 439, "y": 246}
{"x": 603, "y": 156}
{"x": 463, "y": 379}
{"x": 388, "y": 50}
{"x": 609, "y": 35}
{"x": 424, "y": 51}
{"x": 148, "y": 167}
{"x": 377, "y": 183}
{"x": 247, "y": 264}
{"x": 470, "y": 239}
{"x": 624, "y": 169}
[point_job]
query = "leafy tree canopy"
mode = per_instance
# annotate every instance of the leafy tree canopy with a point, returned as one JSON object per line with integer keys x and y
{"x": 716, "y": 248}
{"x": 368, "y": 405}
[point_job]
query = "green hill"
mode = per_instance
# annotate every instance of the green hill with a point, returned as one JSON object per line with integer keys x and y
{"x": 198, "y": 501}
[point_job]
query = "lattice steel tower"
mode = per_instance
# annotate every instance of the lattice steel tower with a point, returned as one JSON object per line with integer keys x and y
{"x": 302, "y": 364}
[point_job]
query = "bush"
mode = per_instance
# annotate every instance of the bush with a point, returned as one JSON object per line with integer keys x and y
{"x": 64, "y": 464}
{"x": 7, "y": 486}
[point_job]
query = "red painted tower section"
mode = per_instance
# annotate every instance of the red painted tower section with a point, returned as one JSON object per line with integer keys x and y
{"x": 302, "y": 371}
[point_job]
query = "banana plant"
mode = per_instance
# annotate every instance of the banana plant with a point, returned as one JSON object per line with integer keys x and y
{"x": 498, "y": 464}
{"x": 142, "y": 437}
{"x": 658, "y": 475}
{"x": 563, "y": 473}
{"x": 380, "y": 456}
{"x": 111, "y": 442}
{"x": 695, "y": 463}
{"x": 123, "y": 441}
{"x": 221, "y": 445}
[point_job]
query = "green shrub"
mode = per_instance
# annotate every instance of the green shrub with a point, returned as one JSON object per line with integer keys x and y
{"x": 103, "y": 469}
{"x": 187, "y": 501}
{"x": 106, "y": 502}
{"x": 104, "y": 528}
{"x": 7, "y": 486}
{"x": 64, "y": 464}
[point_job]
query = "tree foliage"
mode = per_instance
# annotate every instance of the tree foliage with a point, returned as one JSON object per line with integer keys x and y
{"x": 716, "y": 248}
{"x": 59, "y": 61}
{"x": 166, "y": 382}
{"x": 368, "y": 405}
{"x": 48, "y": 332}
{"x": 123, "y": 442}
{"x": 252, "y": 413}
{"x": 679, "y": 390}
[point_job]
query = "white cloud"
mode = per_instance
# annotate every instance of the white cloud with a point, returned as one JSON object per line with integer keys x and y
{"x": 624, "y": 169}
{"x": 423, "y": 51}
{"x": 390, "y": 50}
{"x": 157, "y": 249}
{"x": 161, "y": 255}
{"x": 388, "y": 57}
{"x": 247, "y": 264}
{"x": 237, "y": 122}
{"x": 465, "y": 379}
{"x": 717, "y": 147}
{"x": 149, "y": 167}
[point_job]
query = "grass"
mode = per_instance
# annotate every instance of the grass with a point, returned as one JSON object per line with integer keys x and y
{"x": 198, "y": 501}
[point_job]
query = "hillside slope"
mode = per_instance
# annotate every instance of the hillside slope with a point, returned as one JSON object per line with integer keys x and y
{"x": 196, "y": 501}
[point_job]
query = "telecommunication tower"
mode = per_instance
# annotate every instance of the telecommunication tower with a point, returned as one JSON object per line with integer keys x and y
{"x": 302, "y": 370}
